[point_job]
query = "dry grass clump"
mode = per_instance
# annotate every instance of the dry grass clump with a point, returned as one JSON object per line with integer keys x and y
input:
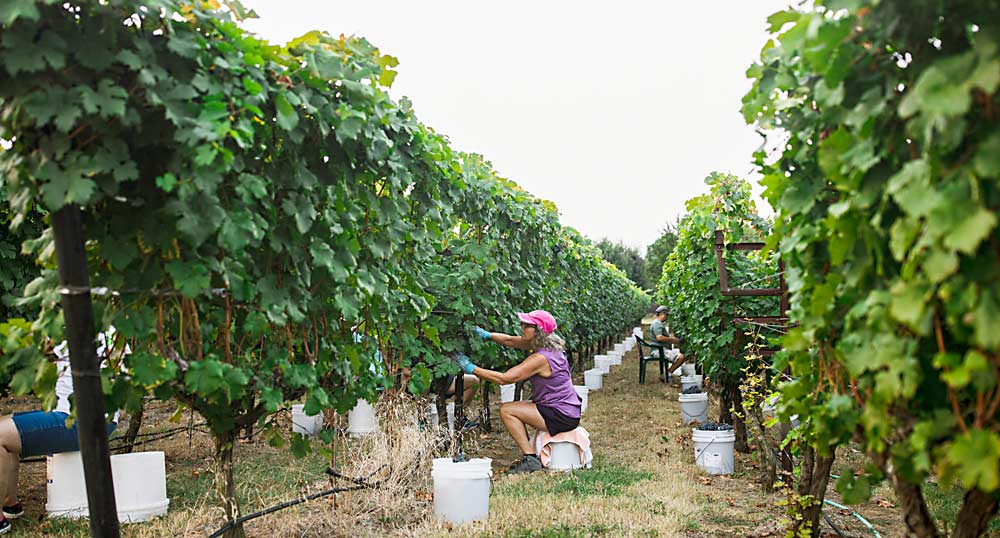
{"x": 397, "y": 458}
{"x": 196, "y": 522}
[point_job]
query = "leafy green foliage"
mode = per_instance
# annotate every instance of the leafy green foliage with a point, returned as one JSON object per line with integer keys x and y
{"x": 689, "y": 285}
{"x": 507, "y": 254}
{"x": 16, "y": 268}
{"x": 625, "y": 258}
{"x": 886, "y": 194}
{"x": 250, "y": 182}
{"x": 277, "y": 227}
{"x": 657, "y": 252}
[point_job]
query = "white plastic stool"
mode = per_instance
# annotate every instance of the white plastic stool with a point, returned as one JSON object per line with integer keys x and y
{"x": 140, "y": 481}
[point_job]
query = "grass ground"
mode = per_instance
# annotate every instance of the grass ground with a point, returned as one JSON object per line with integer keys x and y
{"x": 644, "y": 483}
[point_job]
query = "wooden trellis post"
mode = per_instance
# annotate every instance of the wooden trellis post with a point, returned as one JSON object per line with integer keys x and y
{"x": 78, "y": 314}
{"x": 781, "y": 319}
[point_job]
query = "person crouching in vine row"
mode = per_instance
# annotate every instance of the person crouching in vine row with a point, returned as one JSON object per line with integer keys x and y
{"x": 554, "y": 406}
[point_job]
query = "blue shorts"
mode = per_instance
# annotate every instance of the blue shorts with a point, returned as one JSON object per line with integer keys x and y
{"x": 44, "y": 433}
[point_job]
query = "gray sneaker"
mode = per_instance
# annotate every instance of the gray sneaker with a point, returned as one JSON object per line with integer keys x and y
{"x": 529, "y": 463}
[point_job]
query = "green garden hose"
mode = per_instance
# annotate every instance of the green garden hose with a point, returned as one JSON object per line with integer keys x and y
{"x": 855, "y": 514}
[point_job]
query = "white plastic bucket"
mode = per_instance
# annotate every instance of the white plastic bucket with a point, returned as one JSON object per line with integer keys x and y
{"x": 432, "y": 415}
{"x": 616, "y": 358}
{"x": 564, "y": 457}
{"x": 594, "y": 379}
{"x": 713, "y": 451}
{"x": 687, "y": 382}
{"x": 65, "y": 488}
{"x": 507, "y": 393}
{"x": 629, "y": 343}
{"x": 462, "y": 490}
{"x": 362, "y": 420}
{"x": 584, "y": 393}
{"x": 694, "y": 407}
{"x": 637, "y": 331}
{"x": 140, "y": 482}
{"x": 603, "y": 363}
{"x": 303, "y": 424}
{"x": 620, "y": 348}
{"x": 688, "y": 369}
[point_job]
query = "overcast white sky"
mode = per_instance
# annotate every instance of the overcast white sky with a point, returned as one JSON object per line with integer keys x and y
{"x": 615, "y": 111}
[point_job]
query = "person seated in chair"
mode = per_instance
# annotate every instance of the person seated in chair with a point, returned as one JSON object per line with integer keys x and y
{"x": 661, "y": 334}
{"x": 40, "y": 433}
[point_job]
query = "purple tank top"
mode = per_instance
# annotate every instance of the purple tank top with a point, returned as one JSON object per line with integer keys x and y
{"x": 556, "y": 392}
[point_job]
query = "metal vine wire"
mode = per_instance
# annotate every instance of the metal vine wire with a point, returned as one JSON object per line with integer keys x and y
{"x": 102, "y": 291}
{"x": 761, "y": 279}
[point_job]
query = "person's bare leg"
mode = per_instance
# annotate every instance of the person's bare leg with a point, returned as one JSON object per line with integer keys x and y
{"x": 470, "y": 384}
{"x": 677, "y": 362}
{"x": 515, "y": 415}
{"x": 10, "y": 451}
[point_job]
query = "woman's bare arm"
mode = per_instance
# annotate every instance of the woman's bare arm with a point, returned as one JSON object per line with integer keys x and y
{"x": 516, "y": 342}
{"x": 534, "y": 364}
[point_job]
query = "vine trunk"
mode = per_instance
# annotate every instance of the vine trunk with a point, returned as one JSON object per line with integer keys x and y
{"x": 225, "y": 486}
{"x": 815, "y": 474}
{"x": 977, "y": 510}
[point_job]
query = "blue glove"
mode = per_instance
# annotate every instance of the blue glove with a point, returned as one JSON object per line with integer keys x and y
{"x": 482, "y": 333}
{"x": 463, "y": 362}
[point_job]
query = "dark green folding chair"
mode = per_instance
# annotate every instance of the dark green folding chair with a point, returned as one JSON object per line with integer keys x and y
{"x": 657, "y": 353}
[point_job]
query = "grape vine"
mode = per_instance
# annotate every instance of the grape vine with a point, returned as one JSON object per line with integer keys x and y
{"x": 886, "y": 197}
{"x": 257, "y": 207}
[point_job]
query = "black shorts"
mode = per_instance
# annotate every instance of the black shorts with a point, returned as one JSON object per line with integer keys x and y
{"x": 451, "y": 379}
{"x": 556, "y": 422}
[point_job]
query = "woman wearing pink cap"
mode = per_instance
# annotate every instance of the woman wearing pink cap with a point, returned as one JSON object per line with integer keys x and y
{"x": 554, "y": 405}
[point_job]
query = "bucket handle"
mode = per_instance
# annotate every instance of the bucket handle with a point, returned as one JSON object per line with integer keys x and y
{"x": 702, "y": 453}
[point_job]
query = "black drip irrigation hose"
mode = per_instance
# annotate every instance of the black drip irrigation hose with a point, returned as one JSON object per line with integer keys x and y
{"x": 360, "y": 483}
{"x": 282, "y": 506}
{"x": 826, "y": 517}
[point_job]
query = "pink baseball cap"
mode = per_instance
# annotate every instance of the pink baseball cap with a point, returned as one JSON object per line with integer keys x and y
{"x": 539, "y": 318}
